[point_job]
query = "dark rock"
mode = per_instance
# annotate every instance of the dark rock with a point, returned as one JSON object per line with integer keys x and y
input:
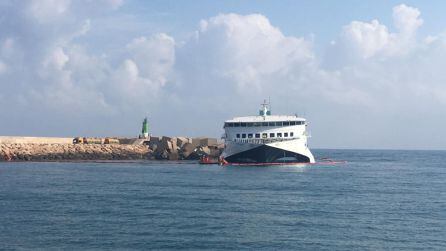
{"x": 173, "y": 156}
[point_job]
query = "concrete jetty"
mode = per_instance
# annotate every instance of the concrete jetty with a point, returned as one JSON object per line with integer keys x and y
{"x": 34, "y": 140}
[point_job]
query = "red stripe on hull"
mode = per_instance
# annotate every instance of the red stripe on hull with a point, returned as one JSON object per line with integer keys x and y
{"x": 285, "y": 163}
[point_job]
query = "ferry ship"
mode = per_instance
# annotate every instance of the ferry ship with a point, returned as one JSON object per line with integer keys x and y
{"x": 266, "y": 139}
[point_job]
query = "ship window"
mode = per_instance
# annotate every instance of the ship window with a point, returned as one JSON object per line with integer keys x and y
{"x": 257, "y": 124}
{"x": 291, "y": 134}
{"x": 249, "y": 124}
{"x": 236, "y": 124}
{"x": 243, "y": 135}
{"x": 272, "y": 123}
{"x": 264, "y": 123}
{"x": 264, "y": 135}
{"x": 279, "y": 123}
{"x": 243, "y": 124}
{"x": 285, "y": 134}
{"x": 249, "y": 135}
{"x": 271, "y": 135}
{"x": 286, "y": 123}
{"x": 257, "y": 135}
{"x": 279, "y": 135}
{"x": 238, "y": 135}
{"x": 292, "y": 122}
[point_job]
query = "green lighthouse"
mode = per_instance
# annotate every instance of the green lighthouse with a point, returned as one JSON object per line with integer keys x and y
{"x": 145, "y": 128}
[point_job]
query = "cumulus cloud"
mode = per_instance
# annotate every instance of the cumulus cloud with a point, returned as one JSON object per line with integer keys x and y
{"x": 155, "y": 56}
{"x": 370, "y": 73}
{"x": 244, "y": 50}
{"x": 45, "y": 11}
{"x": 367, "y": 39}
{"x": 239, "y": 57}
{"x": 48, "y": 68}
{"x": 407, "y": 19}
{"x": 362, "y": 40}
{"x": 376, "y": 58}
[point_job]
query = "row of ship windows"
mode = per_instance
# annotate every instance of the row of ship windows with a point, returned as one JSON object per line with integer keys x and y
{"x": 264, "y": 135}
{"x": 251, "y": 124}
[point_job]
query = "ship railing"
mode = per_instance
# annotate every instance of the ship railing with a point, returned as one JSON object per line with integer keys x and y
{"x": 262, "y": 141}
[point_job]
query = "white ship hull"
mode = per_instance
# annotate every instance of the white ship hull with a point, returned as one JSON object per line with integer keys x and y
{"x": 263, "y": 152}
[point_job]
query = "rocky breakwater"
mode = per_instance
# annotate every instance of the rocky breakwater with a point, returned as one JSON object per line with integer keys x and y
{"x": 72, "y": 152}
{"x": 182, "y": 148}
{"x": 157, "y": 148}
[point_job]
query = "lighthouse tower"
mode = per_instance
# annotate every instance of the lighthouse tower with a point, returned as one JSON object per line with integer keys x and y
{"x": 145, "y": 129}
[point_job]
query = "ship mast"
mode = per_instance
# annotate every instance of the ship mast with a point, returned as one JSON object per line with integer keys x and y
{"x": 265, "y": 109}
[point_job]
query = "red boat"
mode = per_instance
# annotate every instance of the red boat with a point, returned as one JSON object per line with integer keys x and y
{"x": 206, "y": 160}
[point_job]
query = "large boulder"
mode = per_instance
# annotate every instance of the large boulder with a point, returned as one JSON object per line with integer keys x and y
{"x": 193, "y": 156}
{"x": 195, "y": 142}
{"x": 154, "y": 139}
{"x": 164, "y": 144}
{"x": 208, "y": 141}
{"x": 153, "y": 146}
{"x": 160, "y": 155}
{"x": 174, "y": 146}
{"x": 215, "y": 151}
{"x": 186, "y": 150}
{"x": 203, "y": 150}
{"x": 169, "y": 146}
{"x": 181, "y": 141}
{"x": 173, "y": 156}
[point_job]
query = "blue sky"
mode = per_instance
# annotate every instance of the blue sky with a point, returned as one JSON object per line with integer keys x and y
{"x": 366, "y": 74}
{"x": 323, "y": 19}
{"x": 320, "y": 20}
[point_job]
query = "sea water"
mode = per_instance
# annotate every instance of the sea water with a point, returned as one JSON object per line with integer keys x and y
{"x": 377, "y": 200}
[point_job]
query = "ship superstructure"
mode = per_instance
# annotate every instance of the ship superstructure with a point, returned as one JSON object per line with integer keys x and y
{"x": 266, "y": 139}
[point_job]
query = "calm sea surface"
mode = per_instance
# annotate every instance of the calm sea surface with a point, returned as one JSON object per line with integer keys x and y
{"x": 378, "y": 200}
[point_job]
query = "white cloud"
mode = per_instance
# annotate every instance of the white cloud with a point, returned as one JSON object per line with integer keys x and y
{"x": 362, "y": 40}
{"x": 367, "y": 39}
{"x": 57, "y": 59}
{"x": 45, "y": 11}
{"x": 406, "y": 19}
{"x": 371, "y": 73}
{"x": 242, "y": 52}
{"x": 114, "y": 4}
{"x": 154, "y": 56}
{"x": 3, "y": 67}
{"x": 7, "y": 47}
